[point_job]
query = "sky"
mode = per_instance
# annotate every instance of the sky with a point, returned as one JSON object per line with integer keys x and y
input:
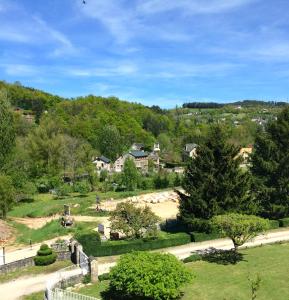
{"x": 157, "y": 52}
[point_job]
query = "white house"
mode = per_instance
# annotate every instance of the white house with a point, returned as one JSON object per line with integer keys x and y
{"x": 190, "y": 150}
{"x": 102, "y": 163}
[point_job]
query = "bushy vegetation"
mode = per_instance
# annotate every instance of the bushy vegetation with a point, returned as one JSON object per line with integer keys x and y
{"x": 148, "y": 275}
{"x": 45, "y": 256}
{"x": 240, "y": 228}
{"x": 93, "y": 247}
{"x": 134, "y": 222}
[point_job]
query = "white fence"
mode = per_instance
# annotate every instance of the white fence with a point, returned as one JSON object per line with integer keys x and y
{"x": 58, "y": 294}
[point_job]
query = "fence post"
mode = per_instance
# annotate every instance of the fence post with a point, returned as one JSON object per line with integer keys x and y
{"x": 93, "y": 269}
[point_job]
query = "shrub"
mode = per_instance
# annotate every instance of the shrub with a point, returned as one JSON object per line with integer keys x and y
{"x": 120, "y": 247}
{"x": 45, "y": 260}
{"x": 274, "y": 224}
{"x": 45, "y": 256}
{"x": 88, "y": 237}
{"x": 86, "y": 279}
{"x": 202, "y": 236}
{"x": 284, "y": 222}
{"x": 82, "y": 187}
{"x": 148, "y": 275}
{"x": 200, "y": 225}
{"x": 240, "y": 228}
{"x": 192, "y": 258}
{"x": 105, "y": 276}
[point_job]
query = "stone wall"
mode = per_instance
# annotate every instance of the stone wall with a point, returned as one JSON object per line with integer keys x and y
{"x": 17, "y": 265}
{"x": 28, "y": 262}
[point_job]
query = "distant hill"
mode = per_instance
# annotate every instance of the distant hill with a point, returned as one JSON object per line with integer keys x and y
{"x": 244, "y": 103}
{"x": 29, "y": 98}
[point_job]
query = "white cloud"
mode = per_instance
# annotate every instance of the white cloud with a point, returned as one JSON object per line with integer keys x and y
{"x": 109, "y": 70}
{"x": 26, "y": 28}
{"x": 191, "y": 6}
{"x": 20, "y": 70}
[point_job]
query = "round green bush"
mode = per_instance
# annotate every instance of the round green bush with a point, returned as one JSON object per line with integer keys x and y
{"x": 44, "y": 252}
{"x": 45, "y": 260}
{"x": 148, "y": 275}
{"x": 45, "y": 256}
{"x": 44, "y": 247}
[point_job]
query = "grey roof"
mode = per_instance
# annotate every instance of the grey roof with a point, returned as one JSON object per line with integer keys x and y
{"x": 138, "y": 154}
{"x": 190, "y": 147}
{"x": 104, "y": 159}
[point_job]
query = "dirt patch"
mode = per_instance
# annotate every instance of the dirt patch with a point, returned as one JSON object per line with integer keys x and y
{"x": 164, "y": 204}
{"x": 6, "y": 232}
{"x": 35, "y": 223}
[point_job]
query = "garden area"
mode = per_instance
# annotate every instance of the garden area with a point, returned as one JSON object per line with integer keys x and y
{"x": 219, "y": 280}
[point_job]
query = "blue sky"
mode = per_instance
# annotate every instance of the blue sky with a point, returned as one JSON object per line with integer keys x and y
{"x": 162, "y": 52}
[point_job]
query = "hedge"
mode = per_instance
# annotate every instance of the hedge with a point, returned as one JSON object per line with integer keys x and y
{"x": 284, "y": 222}
{"x": 45, "y": 260}
{"x": 110, "y": 248}
{"x": 274, "y": 224}
{"x": 202, "y": 236}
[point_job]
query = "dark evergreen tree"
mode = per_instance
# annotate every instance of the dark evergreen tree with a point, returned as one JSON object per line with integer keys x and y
{"x": 7, "y": 130}
{"x": 270, "y": 167}
{"x": 214, "y": 183}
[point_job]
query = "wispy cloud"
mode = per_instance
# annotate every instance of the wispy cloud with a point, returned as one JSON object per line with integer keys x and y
{"x": 20, "y": 70}
{"x": 191, "y": 6}
{"x": 128, "y": 21}
{"x": 30, "y": 29}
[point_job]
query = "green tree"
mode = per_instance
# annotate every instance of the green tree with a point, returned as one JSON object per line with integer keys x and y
{"x": 110, "y": 142}
{"x": 270, "y": 167}
{"x": 82, "y": 187}
{"x": 144, "y": 275}
{"x": 130, "y": 176}
{"x": 134, "y": 222}
{"x": 240, "y": 228}
{"x": 7, "y": 195}
{"x": 7, "y": 130}
{"x": 214, "y": 182}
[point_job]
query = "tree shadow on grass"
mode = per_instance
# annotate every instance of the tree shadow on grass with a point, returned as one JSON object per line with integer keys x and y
{"x": 222, "y": 257}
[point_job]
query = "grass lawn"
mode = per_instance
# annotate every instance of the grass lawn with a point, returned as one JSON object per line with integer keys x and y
{"x": 35, "y": 270}
{"x": 51, "y": 230}
{"x": 34, "y": 296}
{"x": 215, "y": 281}
{"x": 45, "y": 205}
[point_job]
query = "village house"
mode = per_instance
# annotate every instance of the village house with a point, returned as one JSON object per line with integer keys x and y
{"x": 102, "y": 163}
{"x": 190, "y": 150}
{"x": 140, "y": 158}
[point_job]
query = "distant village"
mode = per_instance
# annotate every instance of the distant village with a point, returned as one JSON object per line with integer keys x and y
{"x": 142, "y": 158}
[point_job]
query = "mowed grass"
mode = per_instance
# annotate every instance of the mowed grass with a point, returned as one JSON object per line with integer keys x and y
{"x": 219, "y": 282}
{"x": 45, "y": 205}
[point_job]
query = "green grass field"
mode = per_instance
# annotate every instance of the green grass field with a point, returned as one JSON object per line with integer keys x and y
{"x": 45, "y": 205}
{"x": 51, "y": 230}
{"x": 214, "y": 281}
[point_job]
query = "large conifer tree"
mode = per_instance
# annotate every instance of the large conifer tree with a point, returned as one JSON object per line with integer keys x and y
{"x": 7, "y": 131}
{"x": 270, "y": 167}
{"x": 214, "y": 183}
